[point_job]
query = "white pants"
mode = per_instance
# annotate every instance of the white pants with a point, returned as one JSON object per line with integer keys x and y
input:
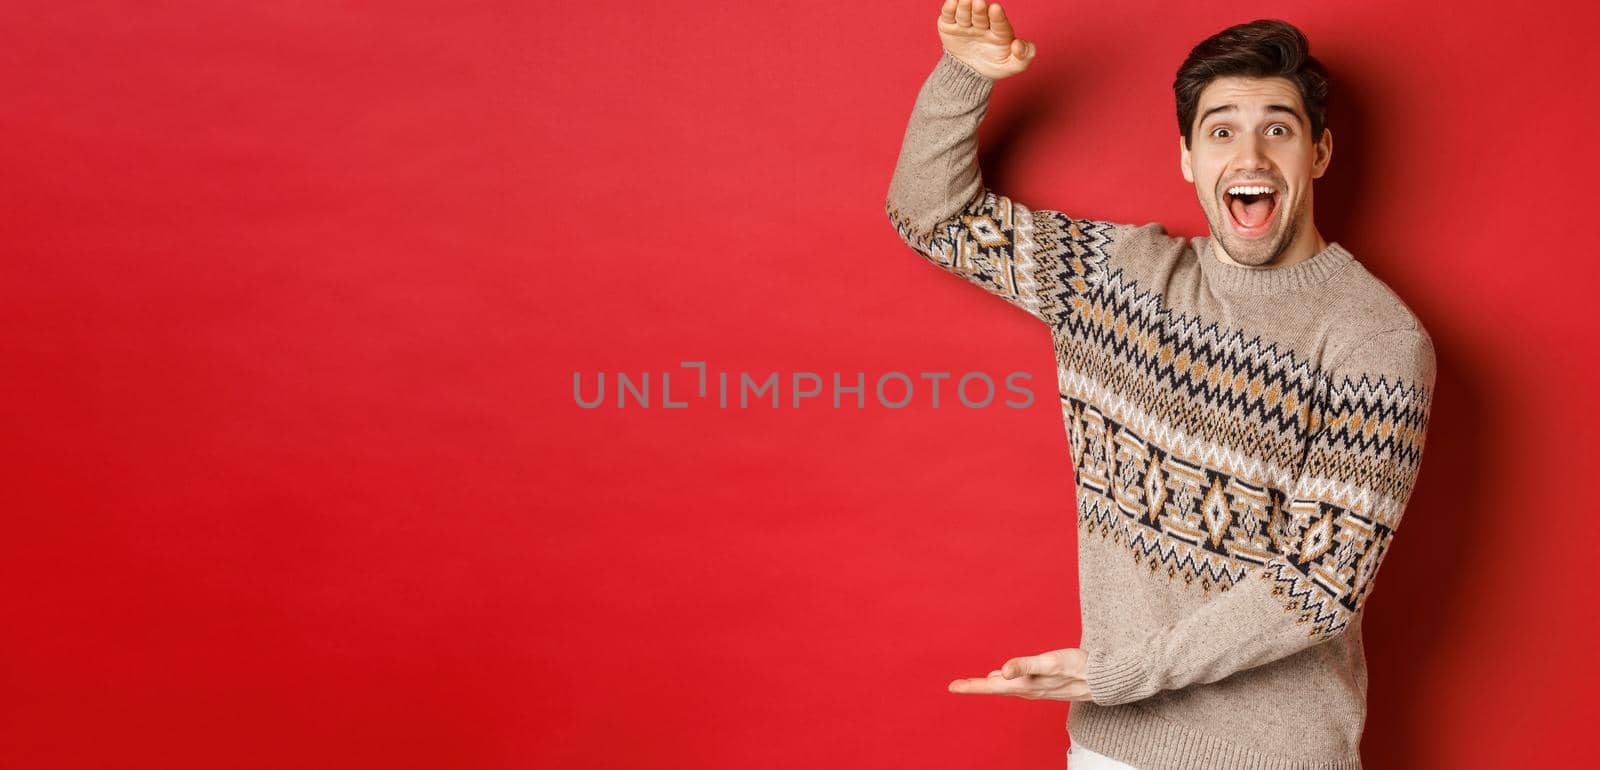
{"x": 1080, "y": 757}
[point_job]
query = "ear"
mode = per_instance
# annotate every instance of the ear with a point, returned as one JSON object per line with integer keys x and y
{"x": 1324, "y": 153}
{"x": 1183, "y": 160}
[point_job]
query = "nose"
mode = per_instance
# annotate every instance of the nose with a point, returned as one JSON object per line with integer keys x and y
{"x": 1252, "y": 154}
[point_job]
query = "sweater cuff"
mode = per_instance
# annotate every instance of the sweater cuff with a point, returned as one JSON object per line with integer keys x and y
{"x": 1114, "y": 679}
{"x": 955, "y": 79}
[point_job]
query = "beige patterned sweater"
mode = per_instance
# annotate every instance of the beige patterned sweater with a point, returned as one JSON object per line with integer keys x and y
{"x": 1244, "y": 442}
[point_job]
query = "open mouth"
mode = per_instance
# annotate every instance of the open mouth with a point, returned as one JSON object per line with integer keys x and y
{"x": 1251, "y": 208}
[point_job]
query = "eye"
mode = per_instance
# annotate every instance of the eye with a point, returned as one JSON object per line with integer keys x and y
{"x": 1276, "y": 126}
{"x": 1214, "y": 131}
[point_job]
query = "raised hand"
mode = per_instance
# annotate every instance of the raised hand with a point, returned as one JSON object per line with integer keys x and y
{"x": 979, "y": 34}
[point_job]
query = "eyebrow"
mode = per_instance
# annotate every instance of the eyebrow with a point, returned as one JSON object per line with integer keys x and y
{"x": 1234, "y": 107}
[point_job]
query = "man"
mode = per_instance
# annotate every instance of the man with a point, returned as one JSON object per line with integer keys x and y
{"x": 1246, "y": 410}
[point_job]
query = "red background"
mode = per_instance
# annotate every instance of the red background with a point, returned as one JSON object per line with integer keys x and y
{"x": 292, "y": 298}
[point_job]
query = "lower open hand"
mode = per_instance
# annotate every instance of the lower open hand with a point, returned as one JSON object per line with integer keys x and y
{"x": 1054, "y": 675}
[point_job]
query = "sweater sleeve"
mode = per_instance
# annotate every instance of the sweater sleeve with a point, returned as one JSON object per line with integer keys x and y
{"x": 1038, "y": 260}
{"x": 1329, "y": 533}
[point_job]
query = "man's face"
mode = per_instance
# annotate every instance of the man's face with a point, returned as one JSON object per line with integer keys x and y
{"x": 1253, "y": 133}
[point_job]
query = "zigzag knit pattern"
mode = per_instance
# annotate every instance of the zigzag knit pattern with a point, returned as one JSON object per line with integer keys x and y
{"x": 1207, "y": 453}
{"x": 998, "y": 245}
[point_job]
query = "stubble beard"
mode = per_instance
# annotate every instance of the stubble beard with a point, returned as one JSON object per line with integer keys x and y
{"x": 1259, "y": 251}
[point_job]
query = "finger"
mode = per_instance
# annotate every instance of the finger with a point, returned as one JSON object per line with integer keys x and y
{"x": 1038, "y": 665}
{"x": 991, "y": 686}
{"x": 947, "y": 12}
{"x": 998, "y": 21}
{"x": 964, "y": 12}
{"x": 980, "y": 14}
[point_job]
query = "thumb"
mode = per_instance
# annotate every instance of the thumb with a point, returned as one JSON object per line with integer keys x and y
{"x": 1023, "y": 50}
{"x": 1020, "y": 666}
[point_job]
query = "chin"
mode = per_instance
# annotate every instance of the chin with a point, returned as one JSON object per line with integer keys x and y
{"x": 1254, "y": 253}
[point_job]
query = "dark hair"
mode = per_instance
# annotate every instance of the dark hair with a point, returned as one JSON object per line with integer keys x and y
{"x": 1261, "y": 48}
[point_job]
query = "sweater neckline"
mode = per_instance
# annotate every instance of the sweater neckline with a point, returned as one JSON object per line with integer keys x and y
{"x": 1266, "y": 280}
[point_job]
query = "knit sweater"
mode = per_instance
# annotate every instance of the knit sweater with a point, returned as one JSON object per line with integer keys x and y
{"x": 1244, "y": 441}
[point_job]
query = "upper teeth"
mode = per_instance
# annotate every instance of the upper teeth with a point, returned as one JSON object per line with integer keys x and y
{"x": 1249, "y": 190}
